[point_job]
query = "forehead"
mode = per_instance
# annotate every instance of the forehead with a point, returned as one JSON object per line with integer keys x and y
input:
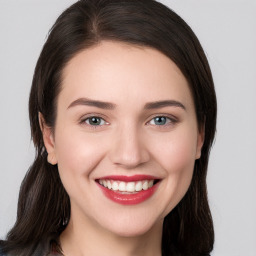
{"x": 112, "y": 71}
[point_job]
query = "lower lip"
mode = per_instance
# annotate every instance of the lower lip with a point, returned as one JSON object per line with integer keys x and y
{"x": 129, "y": 199}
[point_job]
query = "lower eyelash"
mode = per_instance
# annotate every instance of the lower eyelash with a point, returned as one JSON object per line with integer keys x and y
{"x": 171, "y": 120}
{"x": 96, "y": 118}
{"x": 85, "y": 119}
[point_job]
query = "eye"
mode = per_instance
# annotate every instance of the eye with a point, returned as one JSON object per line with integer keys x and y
{"x": 161, "y": 120}
{"x": 95, "y": 121}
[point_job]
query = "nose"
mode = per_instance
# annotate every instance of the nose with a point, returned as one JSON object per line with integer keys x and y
{"x": 128, "y": 149}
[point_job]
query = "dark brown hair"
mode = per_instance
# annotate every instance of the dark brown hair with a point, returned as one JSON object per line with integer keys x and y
{"x": 44, "y": 206}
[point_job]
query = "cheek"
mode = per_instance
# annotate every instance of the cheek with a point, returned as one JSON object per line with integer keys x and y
{"x": 176, "y": 155}
{"x": 177, "y": 152}
{"x": 180, "y": 158}
{"x": 178, "y": 161}
{"x": 77, "y": 154}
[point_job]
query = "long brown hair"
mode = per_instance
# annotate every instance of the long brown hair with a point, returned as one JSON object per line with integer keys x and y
{"x": 44, "y": 205}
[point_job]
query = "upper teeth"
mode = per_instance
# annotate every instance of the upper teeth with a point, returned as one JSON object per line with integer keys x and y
{"x": 134, "y": 186}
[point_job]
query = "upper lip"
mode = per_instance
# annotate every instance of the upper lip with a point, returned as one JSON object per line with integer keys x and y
{"x": 125, "y": 178}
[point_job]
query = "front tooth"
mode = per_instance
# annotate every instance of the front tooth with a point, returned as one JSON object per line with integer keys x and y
{"x": 122, "y": 186}
{"x": 115, "y": 186}
{"x": 105, "y": 184}
{"x": 109, "y": 184}
{"x": 145, "y": 185}
{"x": 130, "y": 187}
{"x": 151, "y": 183}
{"x": 138, "y": 186}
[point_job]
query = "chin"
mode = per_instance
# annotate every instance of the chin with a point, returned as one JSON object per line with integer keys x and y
{"x": 133, "y": 227}
{"x": 132, "y": 232}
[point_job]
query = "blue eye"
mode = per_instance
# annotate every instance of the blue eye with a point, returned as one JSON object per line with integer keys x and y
{"x": 95, "y": 121}
{"x": 160, "y": 120}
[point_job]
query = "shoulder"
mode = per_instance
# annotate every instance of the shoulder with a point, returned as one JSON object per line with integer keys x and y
{"x": 1, "y": 250}
{"x": 1, "y": 253}
{"x": 48, "y": 246}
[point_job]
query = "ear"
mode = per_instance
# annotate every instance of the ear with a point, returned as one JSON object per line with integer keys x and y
{"x": 200, "y": 140}
{"x": 48, "y": 140}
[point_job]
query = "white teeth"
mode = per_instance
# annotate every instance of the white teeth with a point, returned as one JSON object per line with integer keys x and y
{"x": 131, "y": 187}
{"x": 122, "y": 186}
{"x": 151, "y": 183}
{"x": 145, "y": 185}
{"x": 115, "y": 186}
{"x": 109, "y": 184}
{"x": 138, "y": 186}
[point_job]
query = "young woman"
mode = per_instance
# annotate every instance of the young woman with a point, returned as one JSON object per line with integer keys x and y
{"x": 123, "y": 116}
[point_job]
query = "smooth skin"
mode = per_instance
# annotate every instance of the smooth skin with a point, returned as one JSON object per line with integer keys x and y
{"x": 127, "y": 134}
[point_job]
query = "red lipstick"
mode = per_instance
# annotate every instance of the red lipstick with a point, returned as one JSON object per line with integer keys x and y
{"x": 129, "y": 178}
{"x": 127, "y": 198}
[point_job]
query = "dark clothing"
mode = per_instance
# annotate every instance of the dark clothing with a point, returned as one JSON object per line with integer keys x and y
{"x": 47, "y": 247}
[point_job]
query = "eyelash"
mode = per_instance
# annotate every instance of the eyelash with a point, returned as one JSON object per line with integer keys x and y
{"x": 170, "y": 120}
{"x": 86, "y": 121}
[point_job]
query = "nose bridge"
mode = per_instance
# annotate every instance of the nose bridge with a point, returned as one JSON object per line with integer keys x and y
{"x": 128, "y": 147}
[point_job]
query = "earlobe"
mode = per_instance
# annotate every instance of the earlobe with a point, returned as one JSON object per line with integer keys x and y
{"x": 48, "y": 140}
{"x": 200, "y": 141}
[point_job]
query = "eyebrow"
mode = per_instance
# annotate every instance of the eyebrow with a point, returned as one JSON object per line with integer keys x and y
{"x": 93, "y": 103}
{"x": 110, "y": 106}
{"x": 164, "y": 103}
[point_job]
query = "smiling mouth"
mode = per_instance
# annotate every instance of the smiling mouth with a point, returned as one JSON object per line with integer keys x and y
{"x": 128, "y": 190}
{"x": 127, "y": 187}
{"x": 128, "y": 184}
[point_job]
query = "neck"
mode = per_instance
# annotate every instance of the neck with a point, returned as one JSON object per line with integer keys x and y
{"x": 83, "y": 240}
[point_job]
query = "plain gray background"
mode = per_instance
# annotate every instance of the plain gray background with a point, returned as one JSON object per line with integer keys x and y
{"x": 227, "y": 31}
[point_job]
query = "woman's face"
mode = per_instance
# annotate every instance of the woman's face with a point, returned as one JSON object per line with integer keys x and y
{"x": 125, "y": 120}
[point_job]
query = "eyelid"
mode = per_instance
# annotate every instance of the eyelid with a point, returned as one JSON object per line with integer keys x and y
{"x": 83, "y": 119}
{"x": 173, "y": 119}
{"x": 87, "y": 121}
